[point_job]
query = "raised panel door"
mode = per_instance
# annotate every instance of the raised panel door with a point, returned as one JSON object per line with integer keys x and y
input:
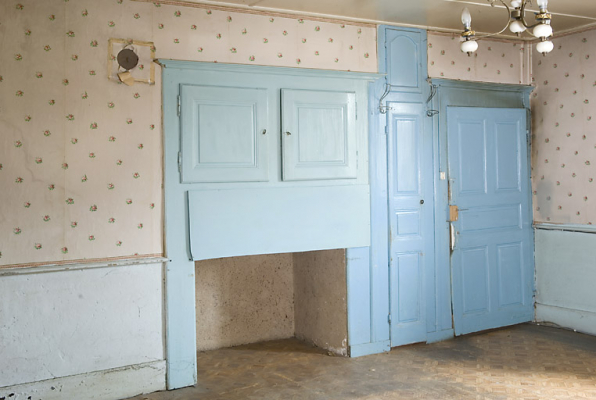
{"x": 492, "y": 260}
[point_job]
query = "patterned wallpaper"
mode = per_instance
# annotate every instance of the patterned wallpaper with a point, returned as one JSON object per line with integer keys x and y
{"x": 564, "y": 144}
{"x": 495, "y": 61}
{"x": 80, "y": 156}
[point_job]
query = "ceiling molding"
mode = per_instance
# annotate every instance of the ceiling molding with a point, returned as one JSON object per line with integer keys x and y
{"x": 572, "y": 31}
{"x": 275, "y": 12}
{"x": 270, "y": 12}
{"x": 283, "y": 13}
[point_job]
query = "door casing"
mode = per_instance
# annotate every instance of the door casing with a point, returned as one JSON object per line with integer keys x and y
{"x": 452, "y": 93}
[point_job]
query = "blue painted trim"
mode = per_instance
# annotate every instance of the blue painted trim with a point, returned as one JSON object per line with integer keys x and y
{"x": 359, "y": 296}
{"x": 500, "y": 87}
{"x": 439, "y": 336}
{"x": 180, "y": 272}
{"x": 266, "y": 70}
{"x": 370, "y": 348}
{"x": 379, "y": 254}
{"x": 565, "y": 227}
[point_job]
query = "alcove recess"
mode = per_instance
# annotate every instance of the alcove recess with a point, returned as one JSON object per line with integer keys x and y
{"x": 249, "y": 299}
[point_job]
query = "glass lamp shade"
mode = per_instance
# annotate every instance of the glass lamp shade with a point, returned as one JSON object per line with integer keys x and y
{"x": 515, "y": 3}
{"x": 466, "y": 18}
{"x": 545, "y": 47}
{"x": 543, "y": 30}
{"x": 542, "y": 4}
{"x": 469, "y": 46}
{"x": 517, "y": 27}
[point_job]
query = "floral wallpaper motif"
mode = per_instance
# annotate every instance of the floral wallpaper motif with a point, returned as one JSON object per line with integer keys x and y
{"x": 564, "y": 138}
{"x": 80, "y": 156}
{"x": 495, "y": 61}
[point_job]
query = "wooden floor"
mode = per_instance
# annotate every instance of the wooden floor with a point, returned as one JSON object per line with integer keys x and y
{"x": 522, "y": 362}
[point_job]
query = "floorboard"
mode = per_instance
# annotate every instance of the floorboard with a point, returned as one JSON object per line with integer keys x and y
{"x": 522, "y": 362}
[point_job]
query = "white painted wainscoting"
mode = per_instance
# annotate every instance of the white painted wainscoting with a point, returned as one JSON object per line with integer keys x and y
{"x": 566, "y": 276}
{"x": 84, "y": 331}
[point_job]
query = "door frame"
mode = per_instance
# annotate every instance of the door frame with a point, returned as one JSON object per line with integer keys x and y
{"x": 453, "y": 93}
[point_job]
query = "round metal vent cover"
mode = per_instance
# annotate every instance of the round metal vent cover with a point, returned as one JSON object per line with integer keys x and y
{"x": 127, "y": 59}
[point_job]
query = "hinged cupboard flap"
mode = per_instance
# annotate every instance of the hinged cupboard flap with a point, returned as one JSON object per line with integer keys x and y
{"x": 318, "y": 135}
{"x": 222, "y": 138}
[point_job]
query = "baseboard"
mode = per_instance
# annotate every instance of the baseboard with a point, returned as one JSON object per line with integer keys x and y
{"x": 578, "y": 320}
{"x": 370, "y": 348}
{"x": 111, "y": 384}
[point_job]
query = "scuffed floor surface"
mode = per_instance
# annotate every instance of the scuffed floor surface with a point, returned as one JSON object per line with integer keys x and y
{"x": 522, "y": 362}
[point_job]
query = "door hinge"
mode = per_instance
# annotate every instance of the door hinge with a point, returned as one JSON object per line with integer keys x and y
{"x": 179, "y": 105}
{"x": 389, "y": 319}
{"x": 179, "y": 161}
{"x": 356, "y": 110}
{"x": 386, "y": 130}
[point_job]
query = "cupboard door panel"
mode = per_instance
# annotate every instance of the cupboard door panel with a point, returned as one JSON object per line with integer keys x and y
{"x": 222, "y": 134}
{"x": 318, "y": 135}
{"x": 404, "y": 54}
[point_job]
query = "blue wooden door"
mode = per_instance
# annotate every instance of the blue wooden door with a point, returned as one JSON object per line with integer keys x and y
{"x": 411, "y": 219}
{"x": 492, "y": 247}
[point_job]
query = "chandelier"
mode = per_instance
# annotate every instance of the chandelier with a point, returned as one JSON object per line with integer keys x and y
{"x": 516, "y": 23}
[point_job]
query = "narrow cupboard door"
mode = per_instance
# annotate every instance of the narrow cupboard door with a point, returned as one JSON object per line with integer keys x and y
{"x": 411, "y": 220}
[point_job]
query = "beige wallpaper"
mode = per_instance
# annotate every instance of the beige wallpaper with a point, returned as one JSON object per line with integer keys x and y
{"x": 564, "y": 125}
{"x": 495, "y": 61}
{"x": 80, "y": 156}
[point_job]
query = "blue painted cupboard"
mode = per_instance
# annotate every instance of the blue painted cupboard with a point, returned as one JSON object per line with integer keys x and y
{"x": 258, "y": 160}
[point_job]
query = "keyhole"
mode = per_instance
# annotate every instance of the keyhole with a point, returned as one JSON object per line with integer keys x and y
{"x": 421, "y": 201}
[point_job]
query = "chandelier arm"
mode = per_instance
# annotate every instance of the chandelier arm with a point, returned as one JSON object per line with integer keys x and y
{"x": 504, "y": 29}
{"x": 523, "y": 16}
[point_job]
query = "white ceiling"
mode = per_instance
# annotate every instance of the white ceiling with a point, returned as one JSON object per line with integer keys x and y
{"x": 441, "y": 15}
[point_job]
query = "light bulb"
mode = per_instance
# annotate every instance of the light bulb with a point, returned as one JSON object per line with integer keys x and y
{"x": 517, "y": 27}
{"x": 542, "y": 4}
{"x": 515, "y": 3}
{"x": 543, "y": 30}
{"x": 545, "y": 47}
{"x": 469, "y": 46}
{"x": 466, "y": 18}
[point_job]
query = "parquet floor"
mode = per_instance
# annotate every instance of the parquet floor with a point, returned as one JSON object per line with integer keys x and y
{"x": 523, "y": 362}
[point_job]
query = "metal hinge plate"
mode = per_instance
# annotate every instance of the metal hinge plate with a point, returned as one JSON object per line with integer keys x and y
{"x": 179, "y": 162}
{"x": 179, "y": 105}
